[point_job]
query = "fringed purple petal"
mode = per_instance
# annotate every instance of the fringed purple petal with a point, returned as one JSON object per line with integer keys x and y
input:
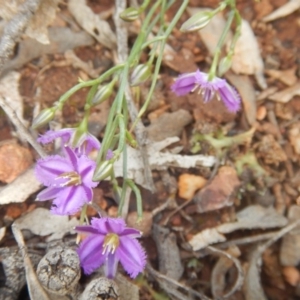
{"x": 90, "y": 253}
{"x": 132, "y": 256}
{"x": 131, "y": 232}
{"x": 110, "y": 266}
{"x": 108, "y": 225}
{"x": 72, "y": 157}
{"x": 184, "y": 84}
{"x": 86, "y": 229}
{"x": 69, "y": 200}
{"x": 48, "y": 169}
{"x": 230, "y": 97}
{"x": 51, "y": 135}
{"x": 86, "y": 168}
{"x": 48, "y": 194}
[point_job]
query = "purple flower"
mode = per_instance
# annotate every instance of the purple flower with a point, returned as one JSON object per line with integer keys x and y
{"x": 109, "y": 242}
{"x": 68, "y": 180}
{"x": 190, "y": 82}
{"x": 86, "y": 143}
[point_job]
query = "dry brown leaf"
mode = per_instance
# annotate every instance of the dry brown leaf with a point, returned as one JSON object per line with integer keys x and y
{"x": 247, "y": 58}
{"x": 219, "y": 192}
{"x": 92, "y": 23}
{"x": 171, "y": 123}
{"x": 289, "y": 250}
{"x": 37, "y": 26}
{"x": 188, "y": 184}
{"x": 205, "y": 238}
{"x": 283, "y": 10}
{"x": 56, "y": 226}
{"x": 287, "y": 94}
{"x": 288, "y": 77}
{"x": 245, "y": 88}
{"x": 254, "y": 216}
{"x": 19, "y": 160}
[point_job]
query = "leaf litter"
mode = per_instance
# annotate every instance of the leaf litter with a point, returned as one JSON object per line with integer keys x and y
{"x": 220, "y": 209}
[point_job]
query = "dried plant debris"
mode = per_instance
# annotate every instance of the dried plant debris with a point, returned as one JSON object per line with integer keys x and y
{"x": 20, "y": 159}
{"x": 205, "y": 238}
{"x": 188, "y": 184}
{"x": 287, "y": 94}
{"x": 158, "y": 160}
{"x": 270, "y": 151}
{"x": 284, "y": 10}
{"x": 168, "y": 252}
{"x": 37, "y": 26}
{"x": 219, "y": 192}
{"x": 172, "y": 124}
{"x": 247, "y": 58}
{"x": 20, "y": 189}
{"x": 92, "y": 23}
{"x": 60, "y": 38}
{"x": 56, "y": 226}
{"x": 289, "y": 250}
{"x": 127, "y": 290}
{"x": 255, "y": 216}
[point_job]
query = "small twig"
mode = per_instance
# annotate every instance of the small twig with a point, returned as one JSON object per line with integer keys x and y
{"x": 175, "y": 283}
{"x": 140, "y": 132}
{"x": 240, "y": 279}
{"x": 21, "y": 128}
{"x": 15, "y": 28}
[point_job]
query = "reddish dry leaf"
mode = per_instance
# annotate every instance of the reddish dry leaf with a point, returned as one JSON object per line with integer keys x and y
{"x": 14, "y": 159}
{"x": 220, "y": 192}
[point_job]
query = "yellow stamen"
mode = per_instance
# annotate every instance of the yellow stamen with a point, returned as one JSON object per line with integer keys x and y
{"x": 111, "y": 243}
{"x": 74, "y": 178}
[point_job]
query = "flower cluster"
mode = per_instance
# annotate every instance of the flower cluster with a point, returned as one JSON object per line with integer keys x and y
{"x": 68, "y": 177}
{"x": 110, "y": 241}
{"x": 190, "y": 82}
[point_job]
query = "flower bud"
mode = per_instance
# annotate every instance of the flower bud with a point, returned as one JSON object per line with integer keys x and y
{"x": 129, "y": 14}
{"x": 45, "y": 116}
{"x": 197, "y": 21}
{"x": 103, "y": 93}
{"x": 103, "y": 170}
{"x": 140, "y": 74}
{"x": 225, "y": 64}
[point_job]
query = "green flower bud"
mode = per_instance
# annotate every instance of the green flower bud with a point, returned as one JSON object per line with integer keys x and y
{"x": 197, "y": 21}
{"x": 225, "y": 65}
{"x": 103, "y": 93}
{"x": 103, "y": 170}
{"x": 140, "y": 74}
{"x": 44, "y": 117}
{"x": 129, "y": 14}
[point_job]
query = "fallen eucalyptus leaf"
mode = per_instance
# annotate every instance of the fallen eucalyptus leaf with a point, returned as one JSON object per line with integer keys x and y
{"x": 205, "y": 238}
{"x": 55, "y": 225}
{"x": 283, "y": 10}
{"x": 254, "y": 216}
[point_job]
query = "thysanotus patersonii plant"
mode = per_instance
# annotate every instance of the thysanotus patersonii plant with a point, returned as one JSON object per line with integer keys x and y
{"x": 71, "y": 175}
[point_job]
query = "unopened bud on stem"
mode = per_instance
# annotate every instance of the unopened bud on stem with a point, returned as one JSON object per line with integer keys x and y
{"x": 140, "y": 74}
{"x": 44, "y": 117}
{"x": 197, "y": 21}
{"x": 129, "y": 14}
